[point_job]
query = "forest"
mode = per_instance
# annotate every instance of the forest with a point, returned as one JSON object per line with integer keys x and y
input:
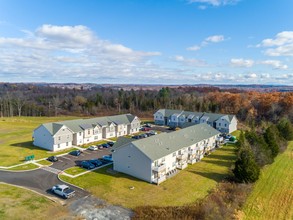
{"x": 20, "y": 99}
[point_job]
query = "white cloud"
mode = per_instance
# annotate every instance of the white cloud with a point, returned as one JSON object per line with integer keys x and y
{"x": 241, "y": 62}
{"x": 276, "y": 64}
{"x": 193, "y": 48}
{"x": 215, "y": 39}
{"x": 216, "y": 3}
{"x": 206, "y": 41}
{"x": 251, "y": 76}
{"x": 281, "y": 45}
{"x": 190, "y": 61}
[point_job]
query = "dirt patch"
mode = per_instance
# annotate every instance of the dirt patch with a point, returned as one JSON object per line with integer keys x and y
{"x": 92, "y": 208}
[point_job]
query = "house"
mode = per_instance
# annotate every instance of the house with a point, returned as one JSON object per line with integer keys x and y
{"x": 178, "y": 118}
{"x": 156, "y": 158}
{"x": 61, "y": 135}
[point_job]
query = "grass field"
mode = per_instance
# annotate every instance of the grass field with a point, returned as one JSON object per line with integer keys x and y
{"x": 75, "y": 170}
{"x": 18, "y": 203}
{"x": 16, "y": 138}
{"x": 272, "y": 196}
{"x": 186, "y": 187}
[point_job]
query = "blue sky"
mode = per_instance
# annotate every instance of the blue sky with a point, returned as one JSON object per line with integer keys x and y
{"x": 147, "y": 41}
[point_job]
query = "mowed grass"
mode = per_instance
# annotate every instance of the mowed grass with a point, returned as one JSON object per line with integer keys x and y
{"x": 18, "y": 203}
{"x": 75, "y": 170}
{"x": 187, "y": 186}
{"x": 16, "y": 138}
{"x": 272, "y": 196}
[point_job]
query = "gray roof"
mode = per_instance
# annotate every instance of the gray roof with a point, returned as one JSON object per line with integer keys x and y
{"x": 158, "y": 146}
{"x": 212, "y": 116}
{"x": 79, "y": 125}
{"x": 121, "y": 141}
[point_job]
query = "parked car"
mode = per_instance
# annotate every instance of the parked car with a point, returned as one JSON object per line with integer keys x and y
{"x": 108, "y": 158}
{"x": 52, "y": 158}
{"x": 93, "y": 147}
{"x": 145, "y": 129}
{"x": 152, "y": 132}
{"x": 148, "y": 125}
{"x": 148, "y": 134}
{"x": 75, "y": 153}
{"x": 111, "y": 143}
{"x": 87, "y": 165}
{"x": 105, "y": 145}
{"x": 136, "y": 137}
{"x": 96, "y": 162}
{"x": 63, "y": 191}
{"x": 143, "y": 135}
{"x": 100, "y": 146}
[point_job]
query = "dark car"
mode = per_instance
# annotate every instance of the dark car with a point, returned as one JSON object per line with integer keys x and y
{"x": 105, "y": 145}
{"x": 136, "y": 137}
{"x": 87, "y": 165}
{"x": 143, "y": 135}
{"x": 111, "y": 143}
{"x": 108, "y": 158}
{"x": 75, "y": 153}
{"x": 96, "y": 162}
{"x": 52, "y": 159}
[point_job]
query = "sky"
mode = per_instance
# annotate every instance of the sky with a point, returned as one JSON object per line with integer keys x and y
{"x": 147, "y": 41}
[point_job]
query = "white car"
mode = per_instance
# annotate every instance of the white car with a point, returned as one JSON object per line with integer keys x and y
{"x": 63, "y": 191}
{"x": 93, "y": 147}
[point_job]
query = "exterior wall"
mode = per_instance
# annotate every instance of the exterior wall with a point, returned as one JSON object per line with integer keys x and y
{"x": 97, "y": 133}
{"x": 233, "y": 125}
{"x": 174, "y": 120}
{"x": 63, "y": 139}
{"x": 130, "y": 160}
{"x": 181, "y": 120}
{"x": 134, "y": 125}
{"x": 159, "y": 118}
{"x": 78, "y": 138}
{"x": 62, "y": 146}
{"x": 121, "y": 130}
{"x": 43, "y": 139}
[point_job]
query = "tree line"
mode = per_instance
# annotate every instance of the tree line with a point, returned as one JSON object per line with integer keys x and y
{"x": 43, "y": 100}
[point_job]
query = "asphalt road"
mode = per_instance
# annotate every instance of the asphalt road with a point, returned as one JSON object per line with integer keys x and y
{"x": 42, "y": 179}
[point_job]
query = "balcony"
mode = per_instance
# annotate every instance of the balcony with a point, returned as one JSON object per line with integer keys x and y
{"x": 192, "y": 152}
{"x": 192, "y": 160}
{"x": 159, "y": 180}
{"x": 159, "y": 168}
{"x": 182, "y": 156}
{"x": 182, "y": 166}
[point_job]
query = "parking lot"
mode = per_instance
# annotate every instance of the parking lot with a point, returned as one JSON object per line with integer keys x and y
{"x": 68, "y": 160}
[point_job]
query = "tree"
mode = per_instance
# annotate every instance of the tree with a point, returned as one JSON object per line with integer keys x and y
{"x": 246, "y": 170}
{"x": 271, "y": 137}
{"x": 286, "y": 129}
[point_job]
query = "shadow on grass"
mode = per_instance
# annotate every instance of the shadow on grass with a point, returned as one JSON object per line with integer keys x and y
{"x": 211, "y": 175}
{"x": 221, "y": 157}
{"x": 28, "y": 145}
{"x": 108, "y": 171}
{"x": 224, "y": 163}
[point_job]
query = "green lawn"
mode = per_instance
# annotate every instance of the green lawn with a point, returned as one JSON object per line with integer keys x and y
{"x": 28, "y": 166}
{"x": 75, "y": 170}
{"x": 18, "y": 203}
{"x": 272, "y": 196}
{"x": 187, "y": 186}
{"x": 45, "y": 162}
{"x": 16, "y": 138}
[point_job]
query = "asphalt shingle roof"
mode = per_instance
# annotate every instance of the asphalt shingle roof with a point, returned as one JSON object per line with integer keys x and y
{"x": 158, "y": 146}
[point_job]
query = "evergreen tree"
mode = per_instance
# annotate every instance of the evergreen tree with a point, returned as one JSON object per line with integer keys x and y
{"x": 246, "y": 170}
{"x": 286, "y": 129}
{"x": 271, "y": 138}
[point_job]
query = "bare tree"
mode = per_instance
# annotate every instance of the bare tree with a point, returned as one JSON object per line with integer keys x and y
{"x": 56, "y": 103}
{"x": 19, "y": 101}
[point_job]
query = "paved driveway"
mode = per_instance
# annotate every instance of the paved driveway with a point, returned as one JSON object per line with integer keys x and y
{"x": 42, "y": 179}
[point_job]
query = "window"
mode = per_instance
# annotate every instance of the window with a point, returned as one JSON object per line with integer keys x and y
{"x": 59, "y": 138}
{"x": 58, "y": 145}
{"x": 88, "y": 132}
{"x": 161, "y": 117}
{"x": 79, "y": 133}
{"x": 225, "y": 125}
{"x": 219, "y": 124}
{"x": 66, "y": 144}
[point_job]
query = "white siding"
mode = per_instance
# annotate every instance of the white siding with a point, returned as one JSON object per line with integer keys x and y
{"x": 43, "y": 139}
{"x": 131, "y": 161}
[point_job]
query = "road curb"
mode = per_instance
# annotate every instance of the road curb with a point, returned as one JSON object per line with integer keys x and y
{"x": 69, "y": 183}
{"x": 48, "y": 197}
